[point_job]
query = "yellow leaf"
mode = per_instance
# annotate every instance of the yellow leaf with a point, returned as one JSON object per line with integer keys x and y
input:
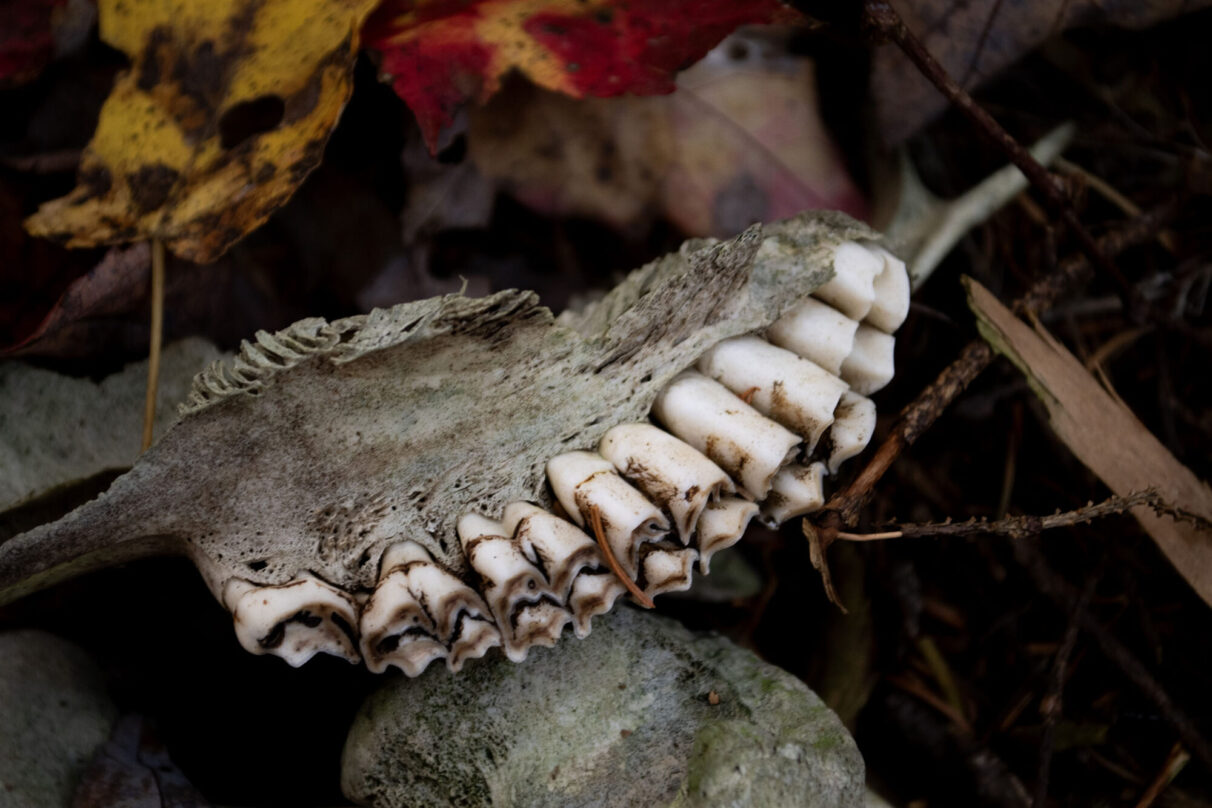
{"x": 226, "y": 109}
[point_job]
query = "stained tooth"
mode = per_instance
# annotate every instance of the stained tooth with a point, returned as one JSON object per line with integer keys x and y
{"x": 796, "y": 490}
{"x": 420, "y": 612}
{"x": 671, "y": 473}
{"x": 853, "y": 426}
{"x": 295, "y": 620}
{"x": 705, "y": 414}
{"x": 562, "y": 547}
{"x": 396, "y": 630}
{"x": 583, "y": 481}
{"x": 592, "y": 594}
{"x": 891, "y": 304}
{"x": 816, "y": 331}
{"x": 721, "y": 526}
{"x": 797, "y": 393}
{"x": 869, "y": 366}
{"x": 851, "y": 290}
{"x": 537, "y": 624}
{"x": 515, "y": 589}
{"x": 668, "y": 569}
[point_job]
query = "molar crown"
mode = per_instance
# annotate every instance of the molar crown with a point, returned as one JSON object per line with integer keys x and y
{"x": 295, "y": 620}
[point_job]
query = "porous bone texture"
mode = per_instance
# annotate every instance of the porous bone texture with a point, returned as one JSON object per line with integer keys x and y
{"x": 321, "y": 445}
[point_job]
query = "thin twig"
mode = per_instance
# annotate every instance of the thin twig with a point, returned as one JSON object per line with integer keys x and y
{"x": 1175, "y": 761}
{"x": 880, "y": 16}
{"x": 595, "y": 522}
{"x": 1018, "y": 527}
{"x": 155, "y": 338}
{"x": 1066, "y": 598}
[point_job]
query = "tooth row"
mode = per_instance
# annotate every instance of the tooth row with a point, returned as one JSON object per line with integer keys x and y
{"x": 750, "y": 433}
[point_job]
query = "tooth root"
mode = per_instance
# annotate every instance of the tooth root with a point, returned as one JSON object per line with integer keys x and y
{"x": 420, "y": 612}
{"x": 673, "y": 474}
{"x": 853, "y": 426}
{"x": 816, "y": 331}
{"x": 668, "y": 569}
{"x": 563, "y": 548}
{"x": 796, "y": 490}
{"x": 295, "y": 620}
{"x": 537, "y": 623}
{"x": 869, "y": 366}
{"x": 515, "y": 589}
{"x": 797, "y": 393}
{"x": 891, "y": 304}
{"x": 737, "y": 438}
{"x": 583, "y": 481}
{"x": 851, "y": 290}
{"x": 593, "y": 593}
{"x": 721, "y": 526}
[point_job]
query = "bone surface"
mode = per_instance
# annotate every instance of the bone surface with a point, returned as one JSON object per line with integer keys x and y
{"x": 562, "y": 549}
{"x": 584, "y": 481}
{"x": 668, "y": 569}
{"x": 795, "y": 392}
{"x": 671, "y": 473}
{"x": 817, "y": 332}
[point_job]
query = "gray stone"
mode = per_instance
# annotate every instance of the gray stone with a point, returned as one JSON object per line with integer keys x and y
{"x": 54, "y": 715}
{"x": 642, "y": 712}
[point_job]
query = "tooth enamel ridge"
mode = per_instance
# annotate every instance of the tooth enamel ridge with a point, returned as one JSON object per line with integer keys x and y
{"x": 295, "y": 621}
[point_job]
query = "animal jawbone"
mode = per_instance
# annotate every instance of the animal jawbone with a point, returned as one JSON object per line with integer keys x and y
{"x": 425, "y": 482}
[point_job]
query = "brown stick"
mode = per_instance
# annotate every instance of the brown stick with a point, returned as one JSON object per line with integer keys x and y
{"x": 879, "y": 15}
{"x": 155, "y": 338}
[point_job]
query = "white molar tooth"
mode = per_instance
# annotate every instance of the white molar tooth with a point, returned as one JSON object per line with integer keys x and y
{"x": 563, "y": 548}
{"x": 797, "y": 490}
{"x": 722, "y": 525}
{"x": 593, "y": 593}
{"x": 744, "y": 443}
{"x": 295, "y": 620}
{"x": 396, "y": 629}
{"x": 869, "y": 366}
{"x": 797, "y": 393}
{"x": 583, "y": 481}
{"x": 420, "y": 612}
{"x": 526, "y": 612}
{"x": 892, "y": 289}
{"x": 851, "y": 290}
{"x": 853, "y": 426}
{"x": 816, "y": 331}
{"x": 668, "y": 569}
{"x": 673, "y": 474}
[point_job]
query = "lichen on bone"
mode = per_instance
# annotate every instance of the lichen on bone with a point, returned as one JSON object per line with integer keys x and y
{"x": 412, "y": 475}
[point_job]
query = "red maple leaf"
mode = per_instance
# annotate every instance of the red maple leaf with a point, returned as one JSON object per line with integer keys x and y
{"x": 439, "y": 54}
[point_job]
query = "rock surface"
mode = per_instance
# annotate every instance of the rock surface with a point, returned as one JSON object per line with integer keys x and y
{"x": 643, "y": 712}
{"x": 54, "y": 715}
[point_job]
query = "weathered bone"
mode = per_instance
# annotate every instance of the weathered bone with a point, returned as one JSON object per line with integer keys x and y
{"x": 348, "y": 436}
